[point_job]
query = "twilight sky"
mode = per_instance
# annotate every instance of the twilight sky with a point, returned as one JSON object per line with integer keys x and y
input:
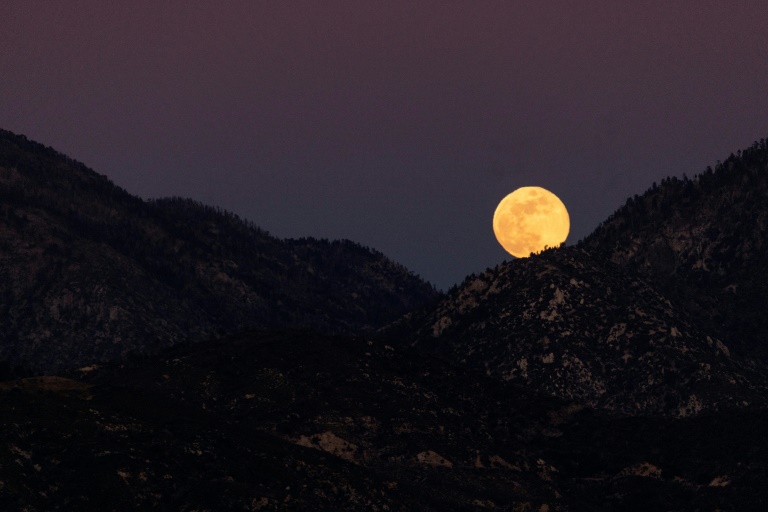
{"x": 397, "y": 124}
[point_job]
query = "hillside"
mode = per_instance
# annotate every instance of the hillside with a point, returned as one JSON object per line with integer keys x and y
{"x": 290, "y": 420}
{"x": 660, "y": 311}
{"x": 90, "y": 273}
{"x": 564, "y": 324}
{"x": 703, "y": 242}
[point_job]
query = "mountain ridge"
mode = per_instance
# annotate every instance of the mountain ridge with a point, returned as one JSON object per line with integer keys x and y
{"x": 702, "y": 242}
{"x": 90, "y": 273}
{"x": 573, "y": 380}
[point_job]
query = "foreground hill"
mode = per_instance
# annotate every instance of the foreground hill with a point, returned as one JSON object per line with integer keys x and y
{"x": 703, "y": 242}
{"x": 89, "y": 272}
{"x": 291, "y": 420}
{"x": 270, "y": 421}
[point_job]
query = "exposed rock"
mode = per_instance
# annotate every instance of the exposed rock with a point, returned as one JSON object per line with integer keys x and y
{"x": 331, "y": 443}
{"x": 720, "y": 481}
{"x": 433, "y": 459}
{"x": 644, "y": 469}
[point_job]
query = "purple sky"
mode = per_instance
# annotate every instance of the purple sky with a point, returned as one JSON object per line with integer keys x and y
{"x": 397, "y": 124}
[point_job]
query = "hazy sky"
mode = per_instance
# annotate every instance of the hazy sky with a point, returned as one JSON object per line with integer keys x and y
{"x": 397, "y": 124}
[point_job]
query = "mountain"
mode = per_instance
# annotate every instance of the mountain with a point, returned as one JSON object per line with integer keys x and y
{"x": 244, "y": 372}
{"x": 292, "y": 420}
{"x": 703, "y": 242}
{"x": 90, "y": 273}
{"x": 565, "y": 324}
{"x": 660, "y": 311}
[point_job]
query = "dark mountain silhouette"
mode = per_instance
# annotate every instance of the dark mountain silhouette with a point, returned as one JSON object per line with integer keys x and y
{"x": 90, "y": 273}
{"x": 704, "y": 243}
{"x": 595, "y": 377}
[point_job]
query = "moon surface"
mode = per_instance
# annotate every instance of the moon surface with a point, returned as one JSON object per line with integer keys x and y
{"x": 529, "y": 220}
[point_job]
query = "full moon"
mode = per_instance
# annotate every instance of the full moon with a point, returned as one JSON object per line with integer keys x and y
{"x": 529, "y": 220}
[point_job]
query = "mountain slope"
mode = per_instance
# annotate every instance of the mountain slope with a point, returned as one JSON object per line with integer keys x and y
{"x": 564, "y": 324}
{"x": 283, "y": 420}
{"x": 290, "y": 420}
{"x": 703, "y": 242}
{"x": 641, "y": 317}
{"x": 89, "y": 272}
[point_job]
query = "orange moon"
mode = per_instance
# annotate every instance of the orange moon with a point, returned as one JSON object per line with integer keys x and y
{"x": 529, "y": 220}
